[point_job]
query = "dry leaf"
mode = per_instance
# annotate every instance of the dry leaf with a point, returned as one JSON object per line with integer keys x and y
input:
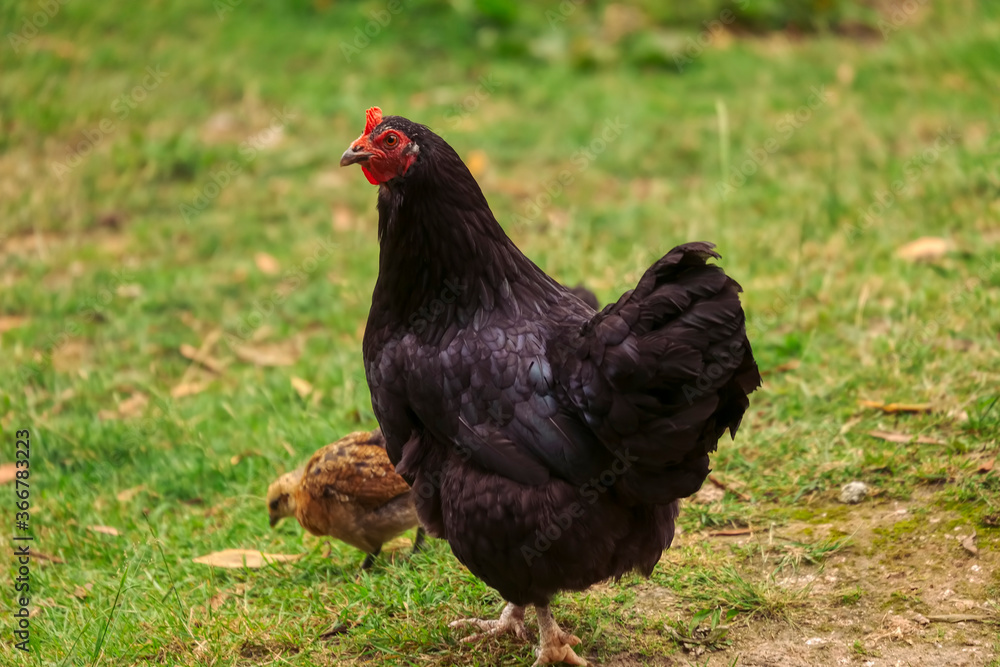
{"x": 189, "y": 388}
{"x": 8, "y": 473}
{"x": 731, "y": 533}
{"x": 278, "y": 354}
{"x": 69, "y": 357}
{"x": 128, "y": 494}
{"x": 302, "y": 387}
{"x": 80, "y": 592}
{"x": 986, "y": 466}
{"x": 969, "y": 544}
{"x": 43, "y": 556}
{"x": 8, "y": 322}
{"x": 620, "y": 20}
{"x": 904, "y": 438}
{"x": 237, "y": 559}
{"x": 785, "y": 367}
{"x": 106, "y": 530}
{"x": 263, "y": 332}
{"x": 896, "y": 407}
{"x": 218, "y": 600}
{"x": 195, "y": 355}
{"x": 133, "y": 405}
{"x": 266, "y": 263}
{"x": 925, "y": 249}
{"x": 397, "y": 544}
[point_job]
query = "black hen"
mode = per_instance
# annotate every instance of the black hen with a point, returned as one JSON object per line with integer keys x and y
{"x": 548, "y": 443}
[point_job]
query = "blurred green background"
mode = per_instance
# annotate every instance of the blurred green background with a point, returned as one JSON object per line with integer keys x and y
{"x": 169, "y": 183}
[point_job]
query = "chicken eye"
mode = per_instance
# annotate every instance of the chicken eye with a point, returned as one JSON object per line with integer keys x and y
{"x": 391, "y": 140}
{"x": 274, "y": 504}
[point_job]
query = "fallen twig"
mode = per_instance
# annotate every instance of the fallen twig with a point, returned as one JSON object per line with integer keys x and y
{"x": 905, "y": 438}
{"x": 725, "y": 487}
{"x": 959, "y": 618}
{"x": 44, "y": 556}
{"x": 712, "y": 637}
{"x": 202, "y": 358}
{"x": 896, "y": 407}
{"x": 731, "y": 533}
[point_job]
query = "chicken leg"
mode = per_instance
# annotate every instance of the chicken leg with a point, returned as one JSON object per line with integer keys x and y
{"x": 556, "y": 645}
{"x": 370, "y": 559}
{"x": 418, "y": 542}
{"x": 511, "y": 621}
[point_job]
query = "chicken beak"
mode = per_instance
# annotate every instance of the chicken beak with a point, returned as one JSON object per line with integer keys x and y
{"x": 274, "y": 521}
{"x": 353, "y": 155}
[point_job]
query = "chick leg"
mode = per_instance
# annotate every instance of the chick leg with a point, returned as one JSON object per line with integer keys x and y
{"x": 556, "y": 645}
{"x": 511, "y": 621}
{"x": 370, "y": 559}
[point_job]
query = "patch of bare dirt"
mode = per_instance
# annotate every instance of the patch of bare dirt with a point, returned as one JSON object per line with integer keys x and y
{"x": 904, "y": 592}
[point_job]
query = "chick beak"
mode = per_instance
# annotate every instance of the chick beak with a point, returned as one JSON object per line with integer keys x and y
{"x": 274, "y": 521}
{"x": 354, "y": 154}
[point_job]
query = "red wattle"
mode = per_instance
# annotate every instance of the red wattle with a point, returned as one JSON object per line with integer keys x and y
{"x": 368, "y": 175}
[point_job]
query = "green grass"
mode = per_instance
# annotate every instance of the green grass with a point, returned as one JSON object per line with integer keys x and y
{"x": 111, "y": 280}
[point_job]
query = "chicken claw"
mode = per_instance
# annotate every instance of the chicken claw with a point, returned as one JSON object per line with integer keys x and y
{"x": 511, "y": 621}
{"x": 556, "y": 645}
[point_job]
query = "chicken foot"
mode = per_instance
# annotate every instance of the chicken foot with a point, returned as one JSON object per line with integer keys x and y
{"x": 556, "y": 645}
{"x": 511, "y": 621}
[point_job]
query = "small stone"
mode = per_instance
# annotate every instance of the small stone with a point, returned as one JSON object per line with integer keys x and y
{"x": 853, "y": 493}
{"x": 969, "y": 544}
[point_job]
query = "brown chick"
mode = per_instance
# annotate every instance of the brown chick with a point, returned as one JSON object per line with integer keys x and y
{"x": 350, "y": 491}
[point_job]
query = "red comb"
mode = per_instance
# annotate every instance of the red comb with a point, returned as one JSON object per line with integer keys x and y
{"x": 372, "y": 118}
